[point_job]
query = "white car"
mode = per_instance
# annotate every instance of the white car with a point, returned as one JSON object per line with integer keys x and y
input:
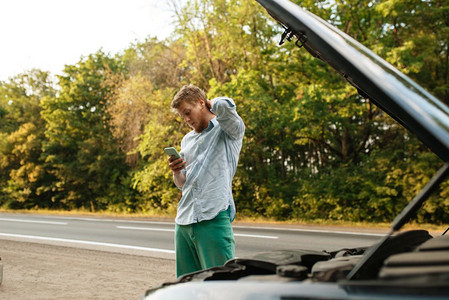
{"x": 406, "y": 265}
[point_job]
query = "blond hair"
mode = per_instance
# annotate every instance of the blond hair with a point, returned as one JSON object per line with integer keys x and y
{"x": 188, "y": 93}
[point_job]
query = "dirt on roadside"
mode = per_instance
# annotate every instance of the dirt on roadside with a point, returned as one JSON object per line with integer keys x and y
{"x": 39, "y": 271}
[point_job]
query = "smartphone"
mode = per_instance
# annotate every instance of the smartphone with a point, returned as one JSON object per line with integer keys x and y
{"x": 171, "y": 151}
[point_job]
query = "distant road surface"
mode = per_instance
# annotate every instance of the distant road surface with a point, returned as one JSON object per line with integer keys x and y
{"x": 155, "y": 238}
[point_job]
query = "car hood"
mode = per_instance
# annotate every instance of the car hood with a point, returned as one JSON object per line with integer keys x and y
{"x": 389, "y": 89}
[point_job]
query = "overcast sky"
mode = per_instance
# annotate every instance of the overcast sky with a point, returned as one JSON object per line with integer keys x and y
{"x": 48, "y": 34}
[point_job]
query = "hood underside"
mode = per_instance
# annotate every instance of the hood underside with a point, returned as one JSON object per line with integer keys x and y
{"x": 375, "y": 79}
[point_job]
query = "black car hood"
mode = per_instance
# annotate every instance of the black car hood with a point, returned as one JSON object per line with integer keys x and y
{"x": 389, "y": 89}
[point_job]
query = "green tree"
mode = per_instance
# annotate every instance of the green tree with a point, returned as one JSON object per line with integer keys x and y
{"x": 89, "y": 168}
{"x": 143, "y": 124}
{"x": 415, "y": 38}
{"x": 25, "y": 178}
{"x": 164, "y": 129}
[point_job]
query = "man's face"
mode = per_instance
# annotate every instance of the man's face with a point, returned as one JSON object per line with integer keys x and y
{"x": 194, "y": 114}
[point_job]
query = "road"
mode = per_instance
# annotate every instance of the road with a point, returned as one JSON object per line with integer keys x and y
{"x": 155, "y": 238}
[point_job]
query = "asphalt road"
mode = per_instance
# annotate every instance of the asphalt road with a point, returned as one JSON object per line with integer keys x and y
{"x": 156, "y": 238}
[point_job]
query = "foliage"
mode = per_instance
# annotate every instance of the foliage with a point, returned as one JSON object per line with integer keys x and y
{"x": 313, "y": 149}
{"x": 25, "y": 178}
{"x": 80, "y": 146}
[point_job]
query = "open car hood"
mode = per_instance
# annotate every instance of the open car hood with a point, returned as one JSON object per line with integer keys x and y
{"x": 375, "y": 79}
{"x": 396, "y": 94}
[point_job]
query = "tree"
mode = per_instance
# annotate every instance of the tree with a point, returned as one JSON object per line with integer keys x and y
{"x": 313, "y": 148}
{"x": 153, "y": 179}
{"x": 81, "y": 149}
{"x": 415, "y": 38}
{"x": 25, "y": 178}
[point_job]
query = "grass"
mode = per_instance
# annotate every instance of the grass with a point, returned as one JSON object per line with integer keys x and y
{"x": 81, "y": 212}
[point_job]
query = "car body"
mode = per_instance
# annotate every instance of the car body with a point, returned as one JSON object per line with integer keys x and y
{"x": 402, "y": 265}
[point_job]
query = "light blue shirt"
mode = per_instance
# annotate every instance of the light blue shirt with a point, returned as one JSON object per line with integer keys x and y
{"x": 211, "y": 161}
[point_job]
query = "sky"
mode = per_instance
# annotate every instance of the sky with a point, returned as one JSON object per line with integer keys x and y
{"x": 48, "y": 34}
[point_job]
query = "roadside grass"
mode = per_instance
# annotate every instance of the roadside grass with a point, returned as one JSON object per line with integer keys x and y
{"x": 343, "y": 224}
{"x": 82, "y": 212}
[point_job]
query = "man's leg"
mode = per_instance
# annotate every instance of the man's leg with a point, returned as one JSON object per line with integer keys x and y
{"x": 186, "y": 255}
{"x": 215, "y": 240}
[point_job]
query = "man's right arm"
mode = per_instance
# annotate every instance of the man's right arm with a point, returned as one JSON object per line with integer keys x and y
{"x": 179, "y": 179}
{"x": 177, "y": 166}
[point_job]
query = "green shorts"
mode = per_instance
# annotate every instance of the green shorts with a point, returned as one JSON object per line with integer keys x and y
{"x": 204, "y": 245}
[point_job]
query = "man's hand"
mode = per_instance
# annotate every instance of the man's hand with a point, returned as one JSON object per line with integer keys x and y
{"x": 176, "y": 165}
{"x": 209, "y": 104}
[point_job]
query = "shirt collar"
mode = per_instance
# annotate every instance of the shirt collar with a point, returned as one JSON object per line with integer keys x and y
{"x": 212, "y": 124}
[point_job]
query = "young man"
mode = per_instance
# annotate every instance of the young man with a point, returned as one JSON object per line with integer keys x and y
{"x": 204, "y": 173}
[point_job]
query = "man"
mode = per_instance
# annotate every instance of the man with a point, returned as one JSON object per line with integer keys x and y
{"x": 204, "y": 173}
